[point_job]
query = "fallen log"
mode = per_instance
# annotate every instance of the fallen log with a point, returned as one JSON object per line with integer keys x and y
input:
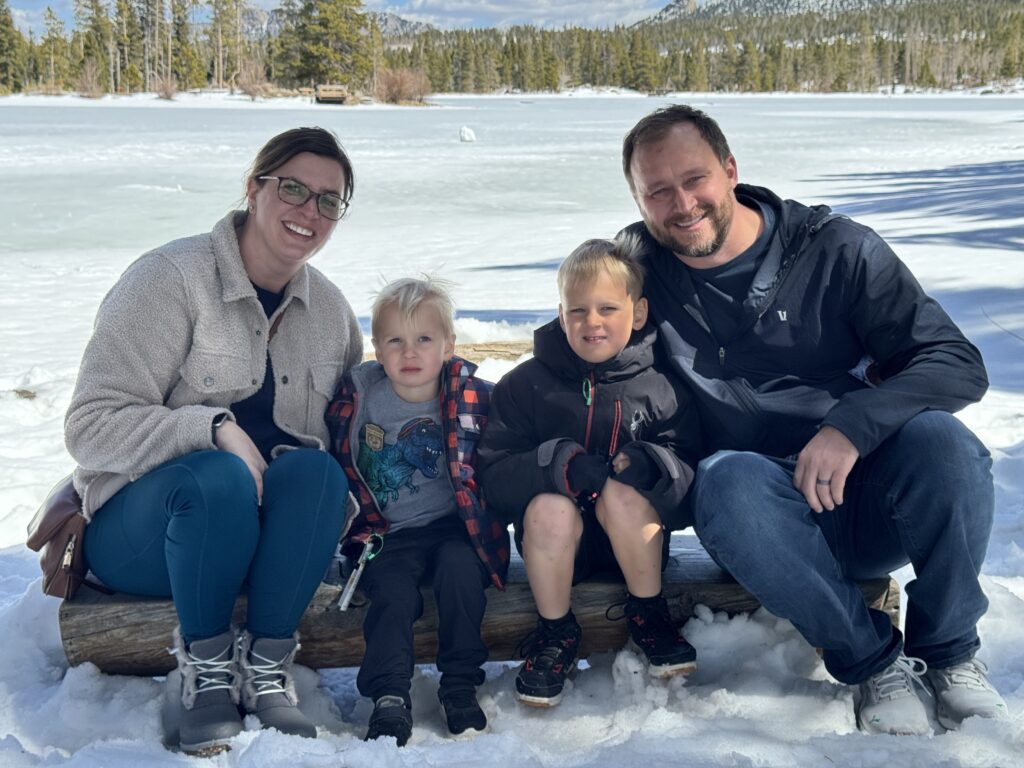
{"x": 129, "y": 635}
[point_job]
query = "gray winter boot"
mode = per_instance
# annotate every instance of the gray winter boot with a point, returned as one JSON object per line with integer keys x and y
{"x": 209, "y": 693}
{"x": 268, "y": 688}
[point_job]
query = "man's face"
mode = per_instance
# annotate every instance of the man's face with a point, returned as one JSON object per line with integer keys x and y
{"x": 684, "y": 193}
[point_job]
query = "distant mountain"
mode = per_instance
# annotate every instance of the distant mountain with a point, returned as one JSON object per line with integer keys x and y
{"x": 709, "y": 8}
{"x": 395, "y": 26}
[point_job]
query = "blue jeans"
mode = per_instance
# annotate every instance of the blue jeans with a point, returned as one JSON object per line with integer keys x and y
{"x": 924, "y": 496}
{"x": 192, "y": 530}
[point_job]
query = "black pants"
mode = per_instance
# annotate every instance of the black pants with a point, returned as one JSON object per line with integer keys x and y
{"x": 439, "y": 554}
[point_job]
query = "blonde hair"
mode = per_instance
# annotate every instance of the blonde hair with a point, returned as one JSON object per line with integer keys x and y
{"x": 617, "y": 258}
{"x": 409, "y": 295}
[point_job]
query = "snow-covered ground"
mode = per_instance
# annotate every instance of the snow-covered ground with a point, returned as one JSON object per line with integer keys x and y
{"x": 87, "y": 186}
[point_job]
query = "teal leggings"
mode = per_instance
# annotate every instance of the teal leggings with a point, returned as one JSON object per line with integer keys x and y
{"x": 192, "y": 530}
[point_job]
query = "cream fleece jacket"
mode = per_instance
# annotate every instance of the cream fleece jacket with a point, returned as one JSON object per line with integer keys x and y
{"x": 179, "y": 338}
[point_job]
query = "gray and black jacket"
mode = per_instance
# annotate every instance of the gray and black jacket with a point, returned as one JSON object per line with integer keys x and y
{"x": 541, "y": 416}
{"x": 829, "y": 302}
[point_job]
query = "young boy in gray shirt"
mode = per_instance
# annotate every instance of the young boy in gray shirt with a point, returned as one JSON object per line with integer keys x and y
{"x": 405, "y": 429}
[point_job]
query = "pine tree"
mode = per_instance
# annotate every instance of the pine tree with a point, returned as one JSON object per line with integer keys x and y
{"x": 153, "y": 64}
{"x": 186, "y": 64}
{"x": 463, "y": 65}
{"x": 57, "y": 59}
{"x": 697, "y": 78}
{"x": 486, "y": 69}
{"x": 547, "y": 74}
{"x": 95, "y": 37}
{"x": 748, "y": 67}
{"x": 645, "y": 64}
{"x": 13, "y": 51}
{"x": 285, "y": 50}
{"x": 127, "y": 48}
{"x": 332, "y": 43}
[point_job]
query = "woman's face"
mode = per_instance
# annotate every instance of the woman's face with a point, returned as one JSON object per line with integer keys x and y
{"x": 285, "y": 236}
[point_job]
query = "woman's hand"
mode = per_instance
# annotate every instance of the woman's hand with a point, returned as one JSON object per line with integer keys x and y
{"x": 232, "y": 438}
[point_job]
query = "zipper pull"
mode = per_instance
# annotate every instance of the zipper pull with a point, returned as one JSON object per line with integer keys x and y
{"x": 69, "y": 553}
{"x": 588, "y": 392}
{"x": 721, "y": 356}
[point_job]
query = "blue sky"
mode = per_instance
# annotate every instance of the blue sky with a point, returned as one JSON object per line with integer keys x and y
{"x": 446, "y": 14}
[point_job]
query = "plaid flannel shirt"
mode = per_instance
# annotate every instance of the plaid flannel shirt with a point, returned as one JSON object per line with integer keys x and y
{"x": 464, "y": 403}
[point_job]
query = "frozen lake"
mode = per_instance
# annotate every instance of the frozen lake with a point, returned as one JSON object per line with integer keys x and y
{"x": 89, "y": 188}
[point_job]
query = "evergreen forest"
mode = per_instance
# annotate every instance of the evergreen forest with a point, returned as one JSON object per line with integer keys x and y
{"x": 164, "y": 46}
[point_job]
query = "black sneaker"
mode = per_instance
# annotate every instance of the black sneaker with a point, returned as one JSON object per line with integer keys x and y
{"x": 391, "y": 717}
{"x": 463, "y": 713}
{"x": 550, "y": 653}
{"x": 652, "y": 630}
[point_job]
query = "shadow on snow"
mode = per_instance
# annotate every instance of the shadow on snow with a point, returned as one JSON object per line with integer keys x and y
{"x": 982, "y": 192}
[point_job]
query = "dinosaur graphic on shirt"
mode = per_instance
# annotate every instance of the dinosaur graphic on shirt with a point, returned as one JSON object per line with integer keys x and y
{"x": 391, "y": 468}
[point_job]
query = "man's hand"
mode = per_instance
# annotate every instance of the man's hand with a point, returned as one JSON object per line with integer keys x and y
{"x": 232, "y": 438}
{"x": 822, "y": 468}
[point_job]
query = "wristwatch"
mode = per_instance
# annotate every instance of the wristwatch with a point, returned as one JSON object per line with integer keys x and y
{"x": 217, "y": 423}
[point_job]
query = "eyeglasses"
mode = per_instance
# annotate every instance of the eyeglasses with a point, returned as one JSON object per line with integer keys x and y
{"x": 294, "y": 192}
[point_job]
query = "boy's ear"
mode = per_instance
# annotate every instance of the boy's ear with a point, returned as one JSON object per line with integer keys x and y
{"x": 449, "y": 348}
{"x": 639, "y": 314}
{"x": 561, "y": 316}
{"x": 376, "y": 351}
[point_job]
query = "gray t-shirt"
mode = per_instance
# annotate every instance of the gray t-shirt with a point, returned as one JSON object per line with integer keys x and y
{"x": 401, "y": 458}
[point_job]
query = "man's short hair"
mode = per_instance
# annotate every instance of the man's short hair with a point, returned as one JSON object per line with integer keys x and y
{"x": 411, "y": 294}
{"x": 617, "y": 258}
{"x": 655, "y": 127}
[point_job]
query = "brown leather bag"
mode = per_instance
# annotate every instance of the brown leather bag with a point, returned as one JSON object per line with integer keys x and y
{"x": 57, "y": 532}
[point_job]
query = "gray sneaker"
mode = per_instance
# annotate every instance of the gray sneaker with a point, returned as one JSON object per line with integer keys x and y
{"x": 268, "y": 687}
{"x": 962, "y": 691}
{"x": 888, "y": 703}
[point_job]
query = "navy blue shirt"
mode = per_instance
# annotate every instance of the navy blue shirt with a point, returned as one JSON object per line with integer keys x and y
{"x": 723, "y": 289}
{"x": 255, "y": 414}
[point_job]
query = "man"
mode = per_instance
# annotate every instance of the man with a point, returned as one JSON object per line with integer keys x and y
{"x": 826, "y": 378}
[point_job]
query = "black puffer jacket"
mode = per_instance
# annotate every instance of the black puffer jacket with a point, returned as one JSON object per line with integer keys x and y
{"x": 540, "y": 418}
{"x": 829, "y": 297}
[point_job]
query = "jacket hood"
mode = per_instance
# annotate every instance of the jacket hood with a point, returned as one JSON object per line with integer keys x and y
{"x": 551, "y": 347}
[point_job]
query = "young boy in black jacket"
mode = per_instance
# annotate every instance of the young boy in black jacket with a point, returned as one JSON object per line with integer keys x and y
{"x": 584, "y": 454}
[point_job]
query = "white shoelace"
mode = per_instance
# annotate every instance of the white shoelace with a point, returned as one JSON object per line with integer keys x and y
{"x": 269, "y": 675}
{"x": 899, "y": 678}
{"x": 213, "y": 674}
{"x": 968, "y": 674}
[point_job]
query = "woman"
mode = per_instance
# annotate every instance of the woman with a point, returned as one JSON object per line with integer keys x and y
{"x": 198, "y": 426}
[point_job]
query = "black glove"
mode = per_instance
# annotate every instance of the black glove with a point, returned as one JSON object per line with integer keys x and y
{"x": 587, "y": 473}
{"x": 643, "y": 471}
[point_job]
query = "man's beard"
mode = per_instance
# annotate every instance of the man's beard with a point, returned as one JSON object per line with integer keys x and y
{"x": 720, "y": 220}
